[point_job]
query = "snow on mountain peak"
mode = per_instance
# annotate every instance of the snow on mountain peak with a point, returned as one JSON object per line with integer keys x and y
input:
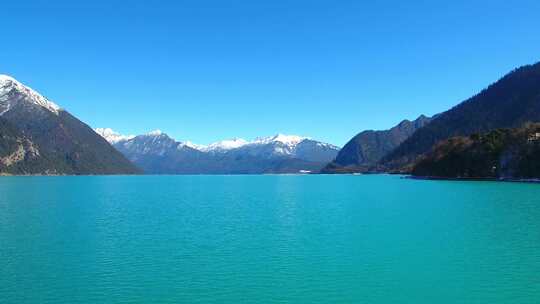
{"x": 289, "y": 140}
{"x": 156, "y": 132}
{"x": 191, "y": 145}
{"x": 4, "y": 77}
{"x": 227, "y": 144}
{"x": 111, "y": 136}
{"x": 279, "y": 144}
{"x": 9, "y": 86}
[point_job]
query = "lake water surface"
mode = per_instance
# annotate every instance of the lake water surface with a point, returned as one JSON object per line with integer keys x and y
{"x": 267, "y": 239}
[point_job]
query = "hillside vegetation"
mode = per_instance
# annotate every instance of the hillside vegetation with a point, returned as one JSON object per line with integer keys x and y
{"x": 501, "y": 153}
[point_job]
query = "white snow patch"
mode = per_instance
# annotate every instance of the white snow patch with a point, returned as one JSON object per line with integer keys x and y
{"x": 227, "y": 144}
{"x": 9, "y": 84}
{"x": 191, "y": 145}
{"x": 112, "y": 136}
{"x": 289, "y": 140}
{"x": 156, "y": 132}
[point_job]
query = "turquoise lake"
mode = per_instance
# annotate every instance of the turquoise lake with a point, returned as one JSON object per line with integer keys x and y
{"x": 267, "y": 239}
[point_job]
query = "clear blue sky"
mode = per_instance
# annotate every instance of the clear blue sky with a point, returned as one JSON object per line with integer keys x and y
{"x": 208, "y": 70}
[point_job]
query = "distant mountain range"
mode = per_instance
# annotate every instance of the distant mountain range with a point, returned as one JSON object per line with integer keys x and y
{"x": 38, "y": 137}
{"x": 365, "y": 150}
{"x": 157, "y": 153}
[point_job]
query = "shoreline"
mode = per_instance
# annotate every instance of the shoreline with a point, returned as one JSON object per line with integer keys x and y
{"x": 403, "y": 175}
{"x": 476, "y": 179}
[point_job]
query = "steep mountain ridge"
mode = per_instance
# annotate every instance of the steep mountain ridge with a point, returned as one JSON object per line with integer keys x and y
{"x": 508, "y": 103}
{"x": 364, "y": 150}
{"x": 65, "y": 144}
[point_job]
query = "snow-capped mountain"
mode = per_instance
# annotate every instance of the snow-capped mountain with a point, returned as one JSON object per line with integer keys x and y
{"x": 14, "y": 93}
{"x": 224, "y": 145}
{"x": 112, "y": 136}
{"x": 287, "y": 146}
{"x": 154, "y": 142}
{"x": 289, "y": 140}
{"x": 156, "y": 152}
{"x": 38, "y": 137}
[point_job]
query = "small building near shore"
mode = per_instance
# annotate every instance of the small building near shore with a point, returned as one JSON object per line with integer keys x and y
{"x": 534, "y": 137}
